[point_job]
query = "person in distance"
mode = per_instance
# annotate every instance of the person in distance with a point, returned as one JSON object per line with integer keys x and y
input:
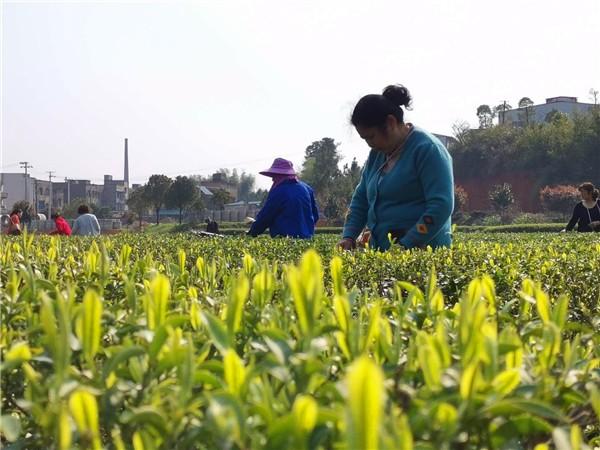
{"x": 290, "y": 208}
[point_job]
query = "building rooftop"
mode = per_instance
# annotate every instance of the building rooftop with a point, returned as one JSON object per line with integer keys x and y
{"x": 204, "y": 190}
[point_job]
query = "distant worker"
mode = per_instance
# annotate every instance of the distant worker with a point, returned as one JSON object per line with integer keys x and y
{"x": 586, "y": 213}
{"x": 62, "y": 226}
{"x": 26, "y": 217}
{"x": 290, "y": 208}
{"x": 86, "y": 224}
{"x": 14, "y": 225}
{"x": 212, "y": 226}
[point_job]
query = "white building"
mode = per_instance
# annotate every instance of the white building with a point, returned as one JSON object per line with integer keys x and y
{"x": 520, "y": 117}
{"x": 15, "y": 187}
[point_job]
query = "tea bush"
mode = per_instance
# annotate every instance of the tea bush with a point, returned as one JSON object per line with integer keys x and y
{"x": 150, "y": 341}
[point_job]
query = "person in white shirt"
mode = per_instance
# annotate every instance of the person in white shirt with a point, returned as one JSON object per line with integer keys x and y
{"x": 86, "y": 224}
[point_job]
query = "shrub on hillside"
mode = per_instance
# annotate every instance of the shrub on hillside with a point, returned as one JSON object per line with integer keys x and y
{"x": 461, "y": 198}
{"x": 560, "y": 198}
{"x": 501, "y": 196}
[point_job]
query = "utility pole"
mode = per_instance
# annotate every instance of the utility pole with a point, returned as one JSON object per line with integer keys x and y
{"x": 68, "y": 183}
{"x": 25, "y": 165}
{"x": 50, "y": 176}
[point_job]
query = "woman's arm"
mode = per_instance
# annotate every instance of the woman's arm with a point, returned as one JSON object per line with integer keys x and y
{"x": 356, "y": 219}
{"x": 76, "y": 224}
{"x": 267, "y": 214}
{"x": 95, "y": 224}
{"x": 574, "y": 218}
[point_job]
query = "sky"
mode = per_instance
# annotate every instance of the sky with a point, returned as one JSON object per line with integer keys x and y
{"x": 200, "y": 85}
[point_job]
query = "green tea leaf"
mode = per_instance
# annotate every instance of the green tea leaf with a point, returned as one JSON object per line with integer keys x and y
{"x": 365, "y": 404}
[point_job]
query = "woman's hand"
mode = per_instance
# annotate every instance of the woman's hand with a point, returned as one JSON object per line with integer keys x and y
{"x": 347, "y": 244}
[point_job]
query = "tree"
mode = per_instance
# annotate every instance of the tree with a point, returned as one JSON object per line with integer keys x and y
{"x": 500, "y": 111}
{"x": 138, "y": 202}
{"x": 196, "y": 207}
{"x": 245, "y": 186}
{"x": 553, "y": 116}
{"x": 320, "y": 168}
{"x": 70, "y": 210}
{"x": 501, "y": 196}
{"x": 156, "y": 191}
{"x": 220, "y": 198}
{"x": 485, "y": 116}
{"x": 559, "y": 198}
{"x": 461, "y": 198}
{"x": 526, "y": 103}
{"x": 181, "y": 193}
{"x": 259, "y": 195}
{"x": 23, "y": 205}
{"x": 460, "y": 130}
{"x": 594, "y": 95}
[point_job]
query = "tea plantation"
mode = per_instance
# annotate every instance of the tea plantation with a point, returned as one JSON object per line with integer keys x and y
{"x": 175, "y": 342}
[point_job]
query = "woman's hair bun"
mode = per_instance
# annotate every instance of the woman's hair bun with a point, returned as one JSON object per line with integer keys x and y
{"x": 398, "y": 95}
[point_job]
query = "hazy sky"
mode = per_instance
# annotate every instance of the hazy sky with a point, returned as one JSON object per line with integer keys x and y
{"x": 196, "y": 86}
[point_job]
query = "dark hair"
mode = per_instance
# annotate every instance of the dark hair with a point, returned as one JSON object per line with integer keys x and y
{"x": 372, "y": 110}
{"x": 55, "y": 215}
{"x": 16, "y": 211}
{"x": 83, "y": 209}
{"x": 589, "y": 187}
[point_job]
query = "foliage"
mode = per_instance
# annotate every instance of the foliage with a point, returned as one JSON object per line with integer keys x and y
{"x": 560, "y": 198}
{"x": 181, "y": 194}
{"x": 23, "y": 205}
{"x": 220, "y": 198}
{"x": 333, "y": 187}
{"x": 461, "y": 198}
{"x": 156, "y": 191}
{"x": 138, "y": 341}
{"x": 562, "y": 151}
{"x": 138, "y": 202}
{"x": 70, "y": 210}
{"x": 501, "y": 197}
{"x": 485, "y": 116}
{"x": 244, "y": 183}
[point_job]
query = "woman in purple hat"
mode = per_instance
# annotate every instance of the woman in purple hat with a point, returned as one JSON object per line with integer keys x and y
{"x": 290, "y": 209}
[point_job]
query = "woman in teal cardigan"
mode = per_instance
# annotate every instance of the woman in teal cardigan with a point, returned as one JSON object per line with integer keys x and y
{"x": 406, "y": 191}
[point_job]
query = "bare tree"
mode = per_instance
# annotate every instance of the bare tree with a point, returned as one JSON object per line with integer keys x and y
{"x": 460, "y": 128}
{"x": 594, "y": 95}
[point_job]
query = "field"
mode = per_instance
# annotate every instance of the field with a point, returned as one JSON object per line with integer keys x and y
{"x": 153, "y": 341}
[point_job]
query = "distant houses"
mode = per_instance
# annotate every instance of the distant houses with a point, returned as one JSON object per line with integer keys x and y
{"x": 17, "y": 187}
{"x": 521, "y": 117}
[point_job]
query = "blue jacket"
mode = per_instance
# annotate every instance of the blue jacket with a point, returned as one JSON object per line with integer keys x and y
{"x": 413, "y": 201}
{"x": 290, "y": 210}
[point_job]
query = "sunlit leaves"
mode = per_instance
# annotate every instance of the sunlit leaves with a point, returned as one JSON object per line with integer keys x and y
{"x": 365, "y": 404}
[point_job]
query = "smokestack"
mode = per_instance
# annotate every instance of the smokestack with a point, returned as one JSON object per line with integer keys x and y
{"x": 126, "y": 168}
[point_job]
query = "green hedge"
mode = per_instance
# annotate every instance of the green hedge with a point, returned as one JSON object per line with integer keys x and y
{"x": 515, "y": 228}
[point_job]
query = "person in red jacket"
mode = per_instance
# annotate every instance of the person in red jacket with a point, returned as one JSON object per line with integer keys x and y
{"x": 62, "y": 226}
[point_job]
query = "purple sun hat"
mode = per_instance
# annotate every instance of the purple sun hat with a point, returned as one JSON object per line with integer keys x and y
{"x": 279, "y": 167}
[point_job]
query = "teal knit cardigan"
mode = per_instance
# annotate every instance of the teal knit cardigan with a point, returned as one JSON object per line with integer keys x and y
{"x": 411, "y": 204}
